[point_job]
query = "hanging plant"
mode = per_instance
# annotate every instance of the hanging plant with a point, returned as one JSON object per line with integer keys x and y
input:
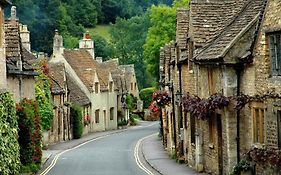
{"x": 153, "y": 107}
{"x": 265, "y": 156}
{"x": 202, "y": 108}
{"x": 162, "y": 98}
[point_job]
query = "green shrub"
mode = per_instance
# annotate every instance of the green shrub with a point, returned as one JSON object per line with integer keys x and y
{"x": 9, "y": 147}
{"x": 123, "y": 122}
{"x": 146, "y": 96}
{"x": 43, "y": 96}
{"x": 30, "y": 138}
{"x": 76, "y": 116}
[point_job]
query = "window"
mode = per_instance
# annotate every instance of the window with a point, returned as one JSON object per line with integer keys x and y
{"x": 212, "y": 127}
{"x": 111, "y": 86}
{"x": 111, "y": 113}
{"x": 279, "y": 128}
{"x": 135, "y": 86}
{"x": 96, "y": 88}
{"x": 97, "y": 116}
{"x": 132, "y": 86}
{"x": 192, "y": 129}
{"x": 275, "y": 53}
{"x": 258, "y": 125}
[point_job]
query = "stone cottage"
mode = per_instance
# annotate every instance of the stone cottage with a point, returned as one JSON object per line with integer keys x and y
{"x": 95, "y": 82}
{"x": 61, "y": 128}
{"x": 230, "y": 48}
{"x": 20, "y": 73}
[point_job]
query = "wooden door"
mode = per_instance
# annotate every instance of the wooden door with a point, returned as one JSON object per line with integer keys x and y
{"x": 220, "y": 144}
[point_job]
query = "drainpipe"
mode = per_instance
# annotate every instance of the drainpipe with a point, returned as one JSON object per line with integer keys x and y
{"x": 174, "y": 117}
{"x": 180, "y": 106}
{"x": 238, "y": 69}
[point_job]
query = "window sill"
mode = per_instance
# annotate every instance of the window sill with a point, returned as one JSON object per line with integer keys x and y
{"x": 258, "y": 145}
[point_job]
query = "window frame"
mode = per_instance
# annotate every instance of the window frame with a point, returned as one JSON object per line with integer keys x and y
{"x": 275, "y": 46}
{"x": 97, "y": 116}
{"x": 111, "y": 113}
{"x": 259, "y": 122}
{"x": 96, "y": 87}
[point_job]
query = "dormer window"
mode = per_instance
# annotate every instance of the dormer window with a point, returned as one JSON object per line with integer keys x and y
{"x": 111, "y": 86}
{"x": 275, "y": 52}
{"x": 96, "y": 87}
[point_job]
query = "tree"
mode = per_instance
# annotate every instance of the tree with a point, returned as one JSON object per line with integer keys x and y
{"x": 162, "y": 31}
{"x": 103, "y": 48}
{"x": 128, "y": 37}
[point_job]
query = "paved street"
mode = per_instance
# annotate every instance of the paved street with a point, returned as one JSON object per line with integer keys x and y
{"x": 109, "y": 155}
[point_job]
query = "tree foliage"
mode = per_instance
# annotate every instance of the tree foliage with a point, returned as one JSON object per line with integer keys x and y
{"x": 128, "y": 37}
{"x": 161, "y": 31}
{"x": 9, "y": 147}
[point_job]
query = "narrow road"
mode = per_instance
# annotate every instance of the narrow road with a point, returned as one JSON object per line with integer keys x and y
{"x": 111, "y": 155}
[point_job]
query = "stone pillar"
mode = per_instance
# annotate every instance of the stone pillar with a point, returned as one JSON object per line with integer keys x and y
{"x": 230, "y": 89}
{"x": 3, "y": 74}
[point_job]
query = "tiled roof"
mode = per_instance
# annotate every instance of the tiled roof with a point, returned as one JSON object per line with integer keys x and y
{"x": 15, "y": 53}
{"x": 85, "y": 66}
{"x": 76, "y": 95}
{"x": 209, "y": 18}
{"x": 129, "y": 72}
{"x": 57, "y": 74}
{"x": 220, "y": 45}
{"x": 116, "y": 73}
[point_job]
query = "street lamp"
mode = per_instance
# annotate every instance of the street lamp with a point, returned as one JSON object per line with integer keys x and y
{"x": 178, "y": 97}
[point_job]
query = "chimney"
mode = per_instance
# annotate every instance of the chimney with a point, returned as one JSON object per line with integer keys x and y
{"x": 13, "y": 13}
{"x": 99, "y": 59}
{"x": 25, "y": 37}
{"x": 87, "y": 43}
{"x": 58, "y": 44}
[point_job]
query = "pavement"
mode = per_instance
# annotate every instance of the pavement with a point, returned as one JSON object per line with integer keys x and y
{"x": 151, "y": 148}
{"x": 155, "y": 155}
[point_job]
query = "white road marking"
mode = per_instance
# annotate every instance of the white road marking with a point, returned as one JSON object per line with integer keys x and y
{"x": 54, "y": 161}
{"x": 137, "y": 158}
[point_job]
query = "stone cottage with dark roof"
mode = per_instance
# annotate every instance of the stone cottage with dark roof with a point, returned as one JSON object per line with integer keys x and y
{"x": 232, "y": 48}
{"x": 20, "y": 73}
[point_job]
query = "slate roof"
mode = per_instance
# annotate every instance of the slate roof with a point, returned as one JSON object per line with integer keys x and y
{"x": 208, "y": 19}
{"x": 85, "y": 66}
{"x": 15, "y": 53}
{"x": 220, "y": 45}
{"x": 57, "y": 74}
{"x": 129, "y": 72}
{"x": 76, "y": 95}
{"x": 116, "y": 73}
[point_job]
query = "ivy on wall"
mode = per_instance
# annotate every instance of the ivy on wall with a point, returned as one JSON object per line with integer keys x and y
{"x": 43, "y": 95}
{"x": 9, "y": 147}
{"x": 29, "y": 134}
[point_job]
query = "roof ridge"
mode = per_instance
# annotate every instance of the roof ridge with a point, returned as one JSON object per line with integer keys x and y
{"x": 235, "y": 17}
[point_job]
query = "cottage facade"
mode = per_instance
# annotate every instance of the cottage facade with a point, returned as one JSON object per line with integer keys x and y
{"x": 231, "y": 48}
{"x": 95, "y": 82}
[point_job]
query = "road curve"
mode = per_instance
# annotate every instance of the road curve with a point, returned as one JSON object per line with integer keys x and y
{"x": 115, "y": 154}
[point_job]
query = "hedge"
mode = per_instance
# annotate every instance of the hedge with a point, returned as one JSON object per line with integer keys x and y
{"x": 9, "y": 147}
{"x": 76, "y": 116}
{"x": 146, "y": 96}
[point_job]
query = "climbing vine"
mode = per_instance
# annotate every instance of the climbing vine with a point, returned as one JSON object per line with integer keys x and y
{"x": 29, "y": 134}
{"x": 9, "y": 147}
{"x": 43, "y": 96}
